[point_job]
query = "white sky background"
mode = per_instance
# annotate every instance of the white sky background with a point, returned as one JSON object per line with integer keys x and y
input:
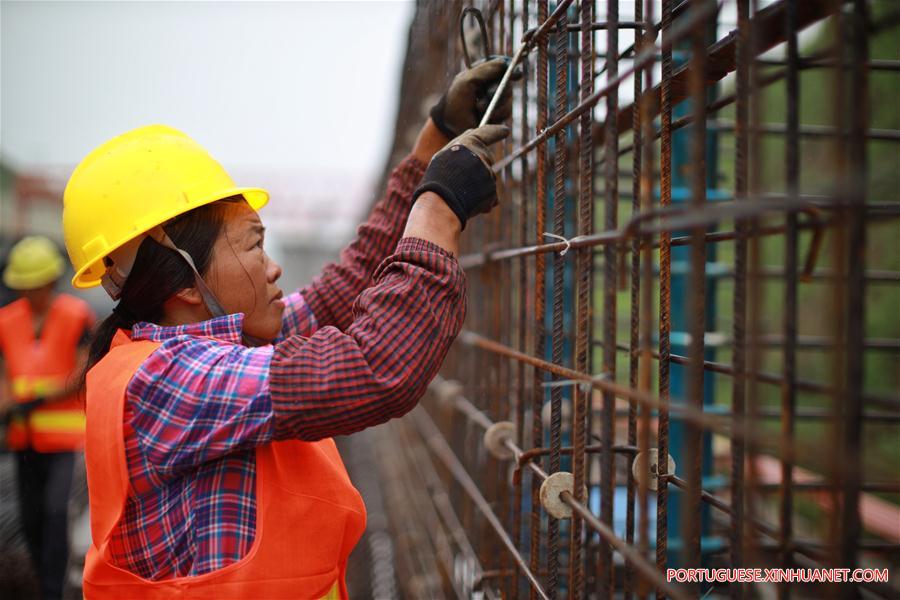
{"x": 294, "y": 96}
{"x": 299, "y": 86}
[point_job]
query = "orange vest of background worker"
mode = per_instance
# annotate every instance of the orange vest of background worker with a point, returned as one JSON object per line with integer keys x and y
{"x": 41, "y": 339}
{"x": 284, "y": 562}
{"x": 39, "y": 368}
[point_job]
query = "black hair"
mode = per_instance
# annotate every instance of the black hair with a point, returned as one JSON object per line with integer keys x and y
{"x": 159, "y": 273}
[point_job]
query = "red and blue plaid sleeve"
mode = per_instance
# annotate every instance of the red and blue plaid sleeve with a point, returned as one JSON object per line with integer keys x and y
{"x": 331, "y": 295}
{"x": 336, "y": 383}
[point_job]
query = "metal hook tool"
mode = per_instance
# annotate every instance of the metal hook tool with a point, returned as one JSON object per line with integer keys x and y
{"x": 486, "y": 44}
{"x": 485, "y": 38}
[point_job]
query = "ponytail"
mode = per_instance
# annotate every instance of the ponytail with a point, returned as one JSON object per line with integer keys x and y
{"x": 102, "y": 339}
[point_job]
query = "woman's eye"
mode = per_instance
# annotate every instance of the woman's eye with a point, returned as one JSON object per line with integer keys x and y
{"x": 259, "y": 244}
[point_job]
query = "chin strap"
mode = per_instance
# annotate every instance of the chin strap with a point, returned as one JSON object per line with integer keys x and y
{"x": 159, "y": 235}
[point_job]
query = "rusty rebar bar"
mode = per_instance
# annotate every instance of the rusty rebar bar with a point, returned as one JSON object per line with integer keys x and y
{"x": 584, "y": 259}
{"x": 789, "y": 314}
{"x": 635, "y": 306}
{"x": 739, "y": 303}
{"x": 665, "y": 289}
{"x": 537, "y": 434}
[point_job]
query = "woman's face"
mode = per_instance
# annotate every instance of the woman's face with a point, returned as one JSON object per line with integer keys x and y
{"x": 243, "y": 277}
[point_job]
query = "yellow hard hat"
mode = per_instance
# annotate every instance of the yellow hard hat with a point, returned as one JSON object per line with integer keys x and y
{"x": 133, "y": 183}
{"x": 33, "y": 262}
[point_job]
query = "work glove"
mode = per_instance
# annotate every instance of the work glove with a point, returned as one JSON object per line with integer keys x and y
{"x": 470, "y": 92}
{"x": 460, "y": 173}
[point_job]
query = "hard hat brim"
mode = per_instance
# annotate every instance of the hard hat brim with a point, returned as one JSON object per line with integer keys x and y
{"x": 89, "y": 275}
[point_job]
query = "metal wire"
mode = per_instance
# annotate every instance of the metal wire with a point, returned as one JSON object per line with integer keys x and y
{"x": 728, "y": 311}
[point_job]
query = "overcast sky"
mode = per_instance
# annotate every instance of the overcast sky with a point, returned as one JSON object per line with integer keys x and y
{"x": 276, "y": 85}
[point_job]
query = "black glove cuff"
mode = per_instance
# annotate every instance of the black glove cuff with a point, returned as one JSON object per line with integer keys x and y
{"x": 437, "y": 116}
{"x": 447, "y": 195}
{"x": 462, "y": 180}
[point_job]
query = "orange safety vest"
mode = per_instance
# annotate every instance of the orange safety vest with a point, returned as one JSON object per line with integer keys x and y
{"x": 308, "y": 514}
{"x": 39, "y": 367}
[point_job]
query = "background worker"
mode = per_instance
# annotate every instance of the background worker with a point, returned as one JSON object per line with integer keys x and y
{"x": 43, "y": 338}
{"x": 212, "y": 398}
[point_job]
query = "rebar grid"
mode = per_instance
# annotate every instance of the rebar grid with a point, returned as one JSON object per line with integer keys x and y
{"x": 723, "y": 291}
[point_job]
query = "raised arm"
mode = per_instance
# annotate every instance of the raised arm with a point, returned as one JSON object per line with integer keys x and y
{"x": 331, "y": 294}
{"x": 336, "y": 383}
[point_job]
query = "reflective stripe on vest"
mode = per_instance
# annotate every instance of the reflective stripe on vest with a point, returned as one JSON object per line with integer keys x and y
{"x": 37, "y": 368}
{"x": 25, "y": 387}
{"x": 57, "y": 420}
{"x": 308, "y": 514}
{"x": 58, "y": 431}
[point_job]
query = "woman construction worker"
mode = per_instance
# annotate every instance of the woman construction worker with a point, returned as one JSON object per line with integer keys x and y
{"x": 212, "y": 397}
{"x": 43, "y": 339}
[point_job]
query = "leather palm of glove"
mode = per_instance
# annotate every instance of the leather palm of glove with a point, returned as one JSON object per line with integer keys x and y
{"x": 460, "y": 173}
{"x": 470, "y": 92}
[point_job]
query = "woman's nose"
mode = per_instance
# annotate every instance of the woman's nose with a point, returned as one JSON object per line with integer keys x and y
{"x": 273, "y": 271}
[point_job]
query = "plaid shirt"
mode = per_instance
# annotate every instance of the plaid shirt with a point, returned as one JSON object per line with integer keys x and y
{"x": 349, "y": 357}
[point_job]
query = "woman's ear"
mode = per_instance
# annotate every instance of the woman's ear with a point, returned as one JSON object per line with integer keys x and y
{"x": 185, "y": 306}
{"x": 188, "y": 295}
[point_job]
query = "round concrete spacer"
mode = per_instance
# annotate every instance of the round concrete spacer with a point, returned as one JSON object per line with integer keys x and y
{"x": 495, "y": 438}
{"x": 553, "y": 486}
{"x": 652, "y": 468}
{"x": 447, "y": 391}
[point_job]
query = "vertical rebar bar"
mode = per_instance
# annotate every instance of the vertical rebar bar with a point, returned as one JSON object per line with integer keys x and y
{"x": 584, "y": 260}
{"x": 634, "y": 339}
{"x": 541, "y": 158}
{"x": 523, "y": 190}
{"x": 855, "y": 285}
{"x": 646, "y": 288}
{"x": 755, "y": 293}
{"x": 665, "y": 291}
{"x": 610, "y": 289}
{"x": 837, "y": 471}
{"x": 739, "y": 306}
{"x": 789, "y": 316}
{"x": 693, "y": 435}
{"x": 503, "y": 399}
{"x": 561, "y": 41}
